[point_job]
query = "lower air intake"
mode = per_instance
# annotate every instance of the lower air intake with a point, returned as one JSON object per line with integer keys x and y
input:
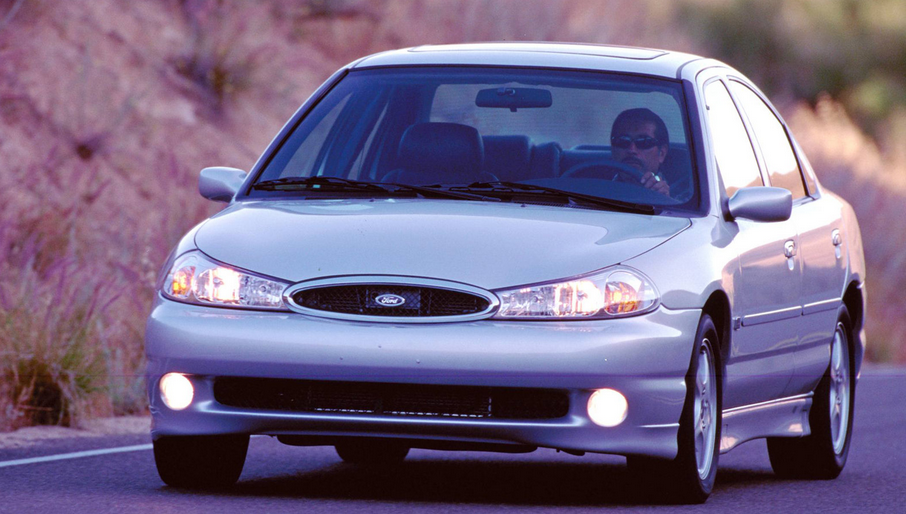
{"x": 390, "y": 399}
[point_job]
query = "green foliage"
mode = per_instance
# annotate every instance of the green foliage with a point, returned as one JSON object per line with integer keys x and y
{"x": 853, "y": 49}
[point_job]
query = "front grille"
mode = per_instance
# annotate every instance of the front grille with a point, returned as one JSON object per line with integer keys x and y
{"x": 398, "y": 300}
{"x": 390, "y": 399}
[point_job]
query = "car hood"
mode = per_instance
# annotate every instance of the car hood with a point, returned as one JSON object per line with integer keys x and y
{"x": 485, "y": 244}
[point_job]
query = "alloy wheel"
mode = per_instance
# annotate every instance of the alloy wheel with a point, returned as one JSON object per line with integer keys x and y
{"x": 839, "y": 390}
{"x": 705, "y": 396}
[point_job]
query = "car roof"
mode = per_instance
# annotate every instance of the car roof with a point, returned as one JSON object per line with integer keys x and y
{"x": 622, "y": 59}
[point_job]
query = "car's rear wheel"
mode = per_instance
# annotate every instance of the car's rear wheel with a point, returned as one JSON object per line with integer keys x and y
{"x": 823, "y": 453}
{"x": 689, "y": 478}
{"x": 372, "y": 452}
{"x": 198, "y": 462}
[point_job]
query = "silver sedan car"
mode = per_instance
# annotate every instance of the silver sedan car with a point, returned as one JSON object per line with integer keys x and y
{"x": 501, "y": 247}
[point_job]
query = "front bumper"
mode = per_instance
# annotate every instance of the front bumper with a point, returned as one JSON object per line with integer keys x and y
{"x": 644, "y": 357}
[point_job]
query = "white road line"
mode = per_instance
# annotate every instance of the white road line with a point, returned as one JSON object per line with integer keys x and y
{"x": 75, "y": 455}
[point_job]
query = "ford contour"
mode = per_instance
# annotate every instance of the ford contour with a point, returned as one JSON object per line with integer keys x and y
{"x": 511, "y": 246}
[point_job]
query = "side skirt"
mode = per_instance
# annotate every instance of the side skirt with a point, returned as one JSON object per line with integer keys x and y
{"x": 785, "y": 417}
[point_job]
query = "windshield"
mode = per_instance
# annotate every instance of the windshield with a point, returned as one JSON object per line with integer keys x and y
{"x": 485, "y": 131}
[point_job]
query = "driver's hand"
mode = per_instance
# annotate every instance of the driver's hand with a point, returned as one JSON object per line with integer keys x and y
{"x": 655, "y": 183}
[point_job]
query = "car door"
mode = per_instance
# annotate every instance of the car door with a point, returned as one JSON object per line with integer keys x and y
{"x": 818, "y": 222}
{"x": 766, "y": 283}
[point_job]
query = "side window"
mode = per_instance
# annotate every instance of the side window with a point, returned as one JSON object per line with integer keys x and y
{"x": 809, "y": 173}
{"x": 735, "y": 157}
{"x": 775, "y": 146}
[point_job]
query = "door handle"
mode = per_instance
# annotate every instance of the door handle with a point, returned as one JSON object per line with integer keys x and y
{"x": 789, "y": 249}
{"x": 836, "y": 238}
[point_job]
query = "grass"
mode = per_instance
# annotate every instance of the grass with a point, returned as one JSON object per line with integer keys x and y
{"x": 51, "y": 340}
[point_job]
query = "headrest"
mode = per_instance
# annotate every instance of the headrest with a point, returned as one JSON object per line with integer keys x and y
{"x": 677, "y": 169}
{"x": 508, "y": 157}
{"x": 441, "y": 153}
{"x": 546, "y": 160}
{"x": 677, "y": 165}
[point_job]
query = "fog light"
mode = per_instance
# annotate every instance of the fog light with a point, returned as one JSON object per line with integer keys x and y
{"x": 607, "y": 408}
{"x": 176, "y": 391}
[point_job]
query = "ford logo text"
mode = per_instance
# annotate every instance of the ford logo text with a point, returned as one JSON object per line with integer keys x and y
{"x": 389, "y": 300}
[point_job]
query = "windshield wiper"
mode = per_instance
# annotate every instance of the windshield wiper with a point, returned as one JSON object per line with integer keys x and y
{"x": 322, "y": 183}
{"x": 315, "y": 183}
{"x": 435, "y": 191}
{"x": 521, "y": 188}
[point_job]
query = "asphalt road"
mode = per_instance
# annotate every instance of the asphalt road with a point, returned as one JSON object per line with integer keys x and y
{"x": 280, "y": 478}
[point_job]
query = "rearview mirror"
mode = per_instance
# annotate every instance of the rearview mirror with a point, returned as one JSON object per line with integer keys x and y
{"x": 514, "y": 98}
{"x": 220, "y": 184}
{"x": 762, "y": 204}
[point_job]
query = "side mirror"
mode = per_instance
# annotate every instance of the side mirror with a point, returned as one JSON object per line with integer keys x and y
{"x": 762, "y": 204}
{"x": 220, "y": 184}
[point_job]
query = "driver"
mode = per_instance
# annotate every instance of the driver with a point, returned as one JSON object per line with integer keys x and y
{"x": 639, "y": 139}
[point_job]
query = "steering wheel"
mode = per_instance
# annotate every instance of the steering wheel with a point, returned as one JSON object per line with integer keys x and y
{"x": 604, "y": 170}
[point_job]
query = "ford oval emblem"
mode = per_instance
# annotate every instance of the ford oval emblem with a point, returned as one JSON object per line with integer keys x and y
{"x": 389, "y": 300}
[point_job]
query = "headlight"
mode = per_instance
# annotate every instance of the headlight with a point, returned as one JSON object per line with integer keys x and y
{"x": 615, "y": 292}
{"x": 194, "y": 278}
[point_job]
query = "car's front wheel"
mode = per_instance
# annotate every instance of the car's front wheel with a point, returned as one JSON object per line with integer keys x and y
{"x": 822, "y": 454}
{"x": 690, "y": 477}
{"x": 198, "y": 462}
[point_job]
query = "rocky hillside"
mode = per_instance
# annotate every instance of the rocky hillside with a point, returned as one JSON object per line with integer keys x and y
{"x": 108, "y": 109}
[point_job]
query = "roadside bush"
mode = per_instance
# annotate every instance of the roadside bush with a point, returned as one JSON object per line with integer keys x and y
{"x": 211, "y": 61}
{"x": 52, "y": 343}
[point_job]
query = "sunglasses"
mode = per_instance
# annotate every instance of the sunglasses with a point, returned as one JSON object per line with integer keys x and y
{"x": 641, "y": 142}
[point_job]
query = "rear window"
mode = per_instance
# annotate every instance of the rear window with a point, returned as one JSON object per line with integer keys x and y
{"x": 577, "y": 116}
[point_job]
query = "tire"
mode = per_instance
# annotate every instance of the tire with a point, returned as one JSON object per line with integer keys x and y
{"x": 200, "y": 462}
{"x": 822, "y": 454}
{"x": 689, "y": 478}
{"x": 372, "y": 452}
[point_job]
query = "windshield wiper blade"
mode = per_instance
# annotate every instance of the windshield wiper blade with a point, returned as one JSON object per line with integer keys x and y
{"x": 504, "y": 186}
{"x": 317, "y": 182}
{"x": 436, "y": 190}
{"x": 322, "y": 183}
